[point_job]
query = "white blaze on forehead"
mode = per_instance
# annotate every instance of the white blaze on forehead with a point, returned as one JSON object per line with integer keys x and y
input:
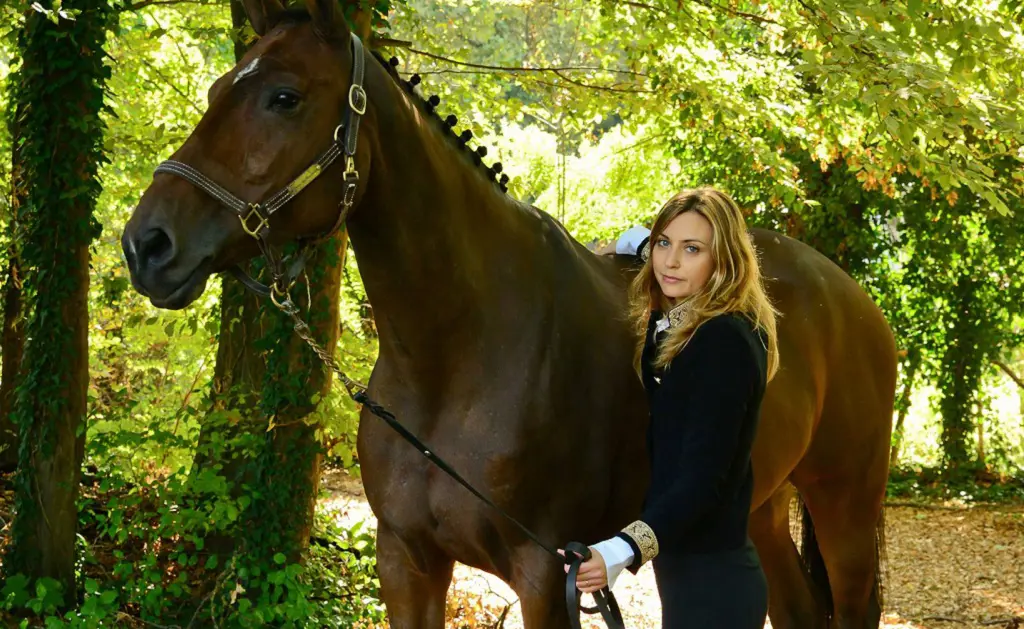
{"x": 248, "y": 70}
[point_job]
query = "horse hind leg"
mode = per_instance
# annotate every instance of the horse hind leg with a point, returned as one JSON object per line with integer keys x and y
{"x": 846, "y": 527}
{"x": 414, "y": 581}
{"x": 792, "y": 601}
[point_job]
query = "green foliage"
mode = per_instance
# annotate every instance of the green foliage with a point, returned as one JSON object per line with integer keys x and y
{"x": 960, "y": 279}
{"x": 149, "y": 560}
{"x": 43, "y": 596}
{"x": 337, "y": 587}
{"x": 882, "y": 87}
{"x": 931, "y": 484}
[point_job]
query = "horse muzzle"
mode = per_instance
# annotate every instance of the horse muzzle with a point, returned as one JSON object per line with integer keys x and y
{"x": 172, "y": 278}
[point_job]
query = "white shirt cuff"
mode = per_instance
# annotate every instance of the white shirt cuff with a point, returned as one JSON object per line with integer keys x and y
{"x": 617, "y": 554}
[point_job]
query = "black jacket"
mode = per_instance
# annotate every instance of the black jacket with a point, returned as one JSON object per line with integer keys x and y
{"x": 704, "y": 414}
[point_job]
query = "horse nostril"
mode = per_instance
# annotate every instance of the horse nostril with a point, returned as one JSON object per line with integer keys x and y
{"x": 128, "y": 247}
{"x": 155, "y": 248}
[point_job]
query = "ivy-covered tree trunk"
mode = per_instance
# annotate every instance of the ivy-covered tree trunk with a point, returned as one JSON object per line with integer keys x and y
{"x": 960, "y": 375}
{"x": 911, "y": 365}
{"x": 239, "y": 367}
{"x": 296, "y": 380}
{"x": 237, "y": 376}
{"x": 58, "y": 92}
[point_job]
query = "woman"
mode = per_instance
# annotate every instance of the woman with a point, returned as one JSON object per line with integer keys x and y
{"x": 705, "y": 365}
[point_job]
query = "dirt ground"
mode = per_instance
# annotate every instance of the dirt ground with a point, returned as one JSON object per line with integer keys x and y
{"x": 949, "y": 566}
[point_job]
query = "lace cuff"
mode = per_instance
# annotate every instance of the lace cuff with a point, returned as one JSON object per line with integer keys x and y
{"x": 645, "y": 540}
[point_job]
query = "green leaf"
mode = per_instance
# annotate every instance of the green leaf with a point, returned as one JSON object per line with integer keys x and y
{"x": 15, "y": 591}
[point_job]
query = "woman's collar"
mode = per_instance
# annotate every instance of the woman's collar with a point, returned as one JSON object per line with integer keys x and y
{"x": 675, "y": 318}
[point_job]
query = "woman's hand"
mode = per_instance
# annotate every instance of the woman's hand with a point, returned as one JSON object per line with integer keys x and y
{"x": 593, "y": 574}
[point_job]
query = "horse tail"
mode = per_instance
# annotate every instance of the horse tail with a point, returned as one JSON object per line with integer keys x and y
{"x": 814, "y": 563}
{"x": 880, "y": 558}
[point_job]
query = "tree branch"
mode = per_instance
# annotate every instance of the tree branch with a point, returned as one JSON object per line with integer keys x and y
{"x": 707, "y": 4}
{"x": 387, "y": 42}
{"x": 562, "y": 86}
{"x": 603, "y": 88}
{"x": 735, "y": 13}
{"x": 553, "y": 70}
{"x": 142, "y": 4}
{"x": 1006, "y": 369}
{"x": 641, "y": 5}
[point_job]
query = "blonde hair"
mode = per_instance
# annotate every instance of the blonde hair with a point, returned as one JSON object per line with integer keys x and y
{"x": 735, "y": 285}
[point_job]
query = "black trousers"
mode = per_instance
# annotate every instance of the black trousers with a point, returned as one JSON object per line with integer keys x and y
{"x": 721, "y": 590}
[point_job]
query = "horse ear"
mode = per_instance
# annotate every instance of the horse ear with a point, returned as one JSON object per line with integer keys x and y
{"x": 328, "y": 19}
{"x": 262, "y": 14}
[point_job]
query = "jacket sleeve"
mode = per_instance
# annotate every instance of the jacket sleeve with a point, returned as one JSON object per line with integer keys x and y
{"x": 703, "y": 401}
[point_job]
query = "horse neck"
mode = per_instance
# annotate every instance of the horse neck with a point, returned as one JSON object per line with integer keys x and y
{"x": 432, "y": 236}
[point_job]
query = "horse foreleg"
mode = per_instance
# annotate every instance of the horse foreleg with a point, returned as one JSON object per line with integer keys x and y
{"x": 414, "y": 580}
{"x": 792, "y": 603}
{"x": 539, "y": 581}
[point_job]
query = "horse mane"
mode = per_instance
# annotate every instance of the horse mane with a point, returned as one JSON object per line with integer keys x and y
{"x": 447, "y": 124}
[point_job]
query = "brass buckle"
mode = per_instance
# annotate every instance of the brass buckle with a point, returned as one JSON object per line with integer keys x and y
{"x": 357, "y": 99}
{"x": 254, "y": 208}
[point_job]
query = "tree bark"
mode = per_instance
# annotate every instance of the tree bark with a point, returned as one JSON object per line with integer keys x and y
{"x": 13, "y": 346}
{"x": 13, "y": 341}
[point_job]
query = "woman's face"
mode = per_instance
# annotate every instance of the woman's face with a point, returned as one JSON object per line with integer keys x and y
{"x": 681, "y": 256}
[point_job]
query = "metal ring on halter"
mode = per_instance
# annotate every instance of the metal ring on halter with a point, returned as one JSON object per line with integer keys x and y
{"x": 281, "y": 305}
{"x": 337, "y": 132}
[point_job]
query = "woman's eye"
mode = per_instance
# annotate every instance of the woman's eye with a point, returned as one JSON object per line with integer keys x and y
{"x": 663, "y": 242}
{"x": 692, "y": 249}
{"x": 285, "y": 100}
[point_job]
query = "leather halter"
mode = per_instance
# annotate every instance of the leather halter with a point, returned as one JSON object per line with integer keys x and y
{"x": 255, "y": 217}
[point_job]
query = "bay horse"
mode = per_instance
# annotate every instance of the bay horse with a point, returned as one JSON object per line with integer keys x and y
{"x": 504, "y": 344}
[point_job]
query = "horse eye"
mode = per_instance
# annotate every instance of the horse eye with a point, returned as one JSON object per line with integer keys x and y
{"x": 284, "y": 100}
